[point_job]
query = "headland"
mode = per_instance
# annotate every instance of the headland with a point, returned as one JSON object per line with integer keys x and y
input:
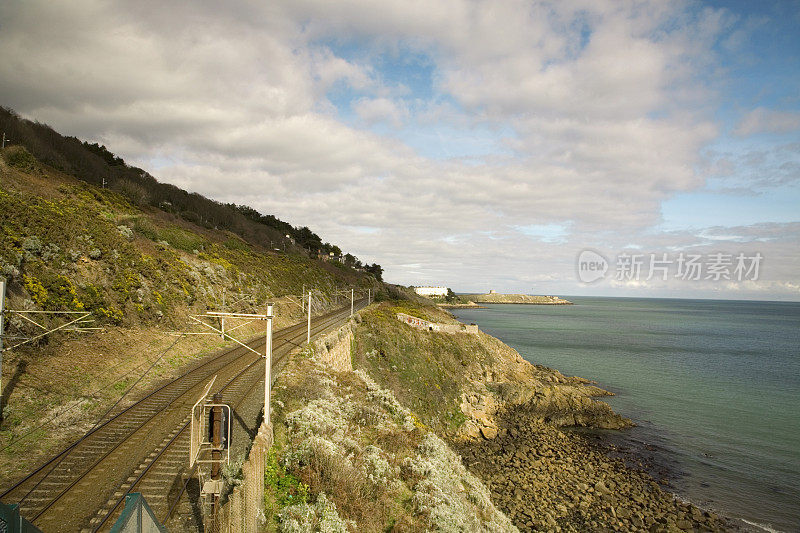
{"x": 528, "y": 299}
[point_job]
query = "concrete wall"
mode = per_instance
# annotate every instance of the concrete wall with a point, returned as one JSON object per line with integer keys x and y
{"x": 419, "y": 323}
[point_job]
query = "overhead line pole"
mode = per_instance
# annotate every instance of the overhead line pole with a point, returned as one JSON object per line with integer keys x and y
{"x": 308, "y": 338}
{"x": 268, "y": 365}
{"x": 351, "y": 302}
{"x": 222, "y": 319}
{"x": 2, "y": 311}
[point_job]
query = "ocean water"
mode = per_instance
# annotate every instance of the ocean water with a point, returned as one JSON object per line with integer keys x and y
{"x": 714, "y": 387}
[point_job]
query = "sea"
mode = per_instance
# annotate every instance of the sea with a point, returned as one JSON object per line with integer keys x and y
{"x": 713, "y": 386}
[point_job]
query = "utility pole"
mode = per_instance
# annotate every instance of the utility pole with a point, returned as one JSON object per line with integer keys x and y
{"x": 369, "y": 296}
{"x": 309, "y": 318}
{"x": 268, "y": 365}
{"x": 351, "y": 302}
{"x": 2, "y": 310}
{"x": 4, "y": 139}
{"x": 104, "y": 183}
{"x": 222, "y": 318}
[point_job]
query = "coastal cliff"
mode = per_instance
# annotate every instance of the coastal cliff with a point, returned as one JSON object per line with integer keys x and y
{"x": 456, "y": 432}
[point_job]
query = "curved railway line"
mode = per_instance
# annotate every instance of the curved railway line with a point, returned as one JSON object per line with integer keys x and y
{"x": 144, "y": 446}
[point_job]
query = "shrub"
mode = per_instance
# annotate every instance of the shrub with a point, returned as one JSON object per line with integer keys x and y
{"x": 281, "y": 488}
{"x": 18, "y": 157}
{"x": 305, "y": 518}
{"x": 35, "y": 289}
{"x": 134, "y": 192}
{"x": 236, "y": 244}
{"x": 145, "y": 228}
{"x": 182, "y": 240}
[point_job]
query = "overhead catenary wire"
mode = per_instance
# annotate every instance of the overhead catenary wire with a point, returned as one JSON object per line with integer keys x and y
{"x": 100, "y": 419}
{"x": 48, "y": 421}
{"x": 47, "y": 471}
{"x": 97, "y": 423}
{"x": 109, "y": 372}
{"x": 65, "y": 411}
{"x": 324, "y": 324}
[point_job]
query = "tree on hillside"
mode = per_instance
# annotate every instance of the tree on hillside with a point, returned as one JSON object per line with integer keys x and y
{"x": 376, "y": 270}
{"x": 95, "y": 164}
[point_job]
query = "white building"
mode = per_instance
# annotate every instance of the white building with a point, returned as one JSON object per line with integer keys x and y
{"x": 431, "y": 292}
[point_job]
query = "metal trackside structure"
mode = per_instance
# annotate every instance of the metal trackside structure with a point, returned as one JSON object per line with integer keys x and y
{"x": 209, "y": 445}
{"x": 12, "y": 522}
{"x": 137, "y": 517}
{"x": 198, "y": 423}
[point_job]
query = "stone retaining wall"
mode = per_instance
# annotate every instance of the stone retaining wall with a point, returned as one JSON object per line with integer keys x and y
{"x": 334, "y": 348}
{"x": 419, "y": 323}
{"x": 244, "y": 511}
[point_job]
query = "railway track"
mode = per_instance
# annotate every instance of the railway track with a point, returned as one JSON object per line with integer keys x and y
{"x": 144, "y": 447}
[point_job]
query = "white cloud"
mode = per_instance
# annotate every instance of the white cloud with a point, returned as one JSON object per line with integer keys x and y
{"x": 329, "y": 69}
{"x": 762, "y": 120}
{"x": 597, "y": 109}
{"x": 374, "y": 110}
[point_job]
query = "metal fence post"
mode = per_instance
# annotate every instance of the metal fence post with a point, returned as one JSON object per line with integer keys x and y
{"x": 222, "y": 318}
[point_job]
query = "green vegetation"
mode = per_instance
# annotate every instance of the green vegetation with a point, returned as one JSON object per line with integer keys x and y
{"x": 74, "y": 247}
{"x": 281, "y": 488}
{"x": 425, "y": 370}
{"x": 19, "y": 158}
{"x": 95, "y": 164}
{"x": 366, "y": 460}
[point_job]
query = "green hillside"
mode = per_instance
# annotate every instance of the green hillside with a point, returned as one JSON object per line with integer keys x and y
{"x": 69, "y": 245}
{"x": 95, "y": 164}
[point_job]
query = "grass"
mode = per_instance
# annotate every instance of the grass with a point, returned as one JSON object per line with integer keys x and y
{"x": 281, "y": 488}
{"x": 425, "y": 370}
{"x": 362, "y": 461}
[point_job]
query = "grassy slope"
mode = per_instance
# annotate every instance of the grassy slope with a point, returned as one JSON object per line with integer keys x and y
{"x": 368, "y": 440}
{"x": 67, "y": 245}
{"x": 447, "y": 379}
{"x": 349, "y": 456}
{"x": 425, "y": 370}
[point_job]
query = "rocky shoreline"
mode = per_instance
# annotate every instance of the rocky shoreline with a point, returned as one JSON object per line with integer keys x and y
{"x": 513, "y": 435}
{"x": 547, "y": 479}
{"x": 468, "y": 305}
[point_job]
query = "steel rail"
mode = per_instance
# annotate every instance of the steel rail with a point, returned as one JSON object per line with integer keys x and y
{"x": 179, "y": 388}
{"x": 332, "y": 318}
{"x": 229, "y": 354}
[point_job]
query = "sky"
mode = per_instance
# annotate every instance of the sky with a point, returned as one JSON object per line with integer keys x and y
{"x": 474, "y": 144}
